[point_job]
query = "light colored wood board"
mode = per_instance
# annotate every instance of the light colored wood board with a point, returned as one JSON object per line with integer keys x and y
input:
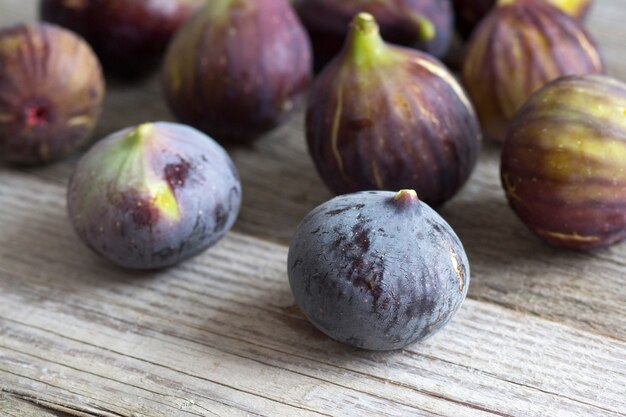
{"x": 26, "y": 406}
{"x": 227, "y": 319}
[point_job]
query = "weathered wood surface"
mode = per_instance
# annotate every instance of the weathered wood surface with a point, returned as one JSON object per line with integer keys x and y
{"x": 543, "y": 332}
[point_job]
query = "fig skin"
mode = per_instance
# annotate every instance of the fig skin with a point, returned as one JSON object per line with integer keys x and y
{"x": 517, "y": 49}
{"x": 128, "y": 36}
{"x": 469, "y": 13}
{"x": 564, "y": 162}
{"x": 377, "y": 270}
{"x": 238, "y": 68}
{"x": 155, "y": 195}
{"x": 424, "y": 24}
{"x": 51, "y": 92}
{"x": 386, "y": 117}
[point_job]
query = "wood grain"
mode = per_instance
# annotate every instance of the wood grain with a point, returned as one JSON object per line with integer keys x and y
{"x": 543, "y": 332}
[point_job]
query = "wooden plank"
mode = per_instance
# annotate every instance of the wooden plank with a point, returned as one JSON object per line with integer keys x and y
{"x": 14, "y": 405}
{"x": 223, "y": 327}
{"x": 543, "y": 334}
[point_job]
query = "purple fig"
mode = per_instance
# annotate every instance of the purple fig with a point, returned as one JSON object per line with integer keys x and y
{"x": 424, "y": 24}
{"x": 128, "y": 36}
{"x": 238, "y": 68}
{"x": 51, "y": 91}
{"x": 377, "y": 270}
{"x": 470, "y": 12}
{"x": 387, "y": 117}
{"x": 517, "y": 49}
{"x": 564, "y": 162}
{"x": 154, "y": 195}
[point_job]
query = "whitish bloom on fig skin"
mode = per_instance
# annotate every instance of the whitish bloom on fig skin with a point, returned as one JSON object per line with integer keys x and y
{"x": 154, "y": 195}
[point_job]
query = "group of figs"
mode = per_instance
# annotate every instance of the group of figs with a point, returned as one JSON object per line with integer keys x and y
{"x": 373, "y": 268}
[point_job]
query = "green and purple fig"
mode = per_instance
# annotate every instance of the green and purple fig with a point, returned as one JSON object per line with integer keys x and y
{"x": 564, "y": 162}
{"x": 424, "y": 24}
{"x": 387, "y": 117}
{"x": 51, "y": 92}
{"x": 129, "y": 36}
{"x": 154, "y": 195}
{"x": 517, "y": 49}
{"x": 238, "y": 68}
{"x": 470, "y": 12}
{"x": 377, "y": 270}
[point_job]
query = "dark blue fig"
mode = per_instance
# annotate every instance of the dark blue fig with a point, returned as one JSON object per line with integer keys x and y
{"x": 377, "y": 270}
{"x": 154, "y": 195}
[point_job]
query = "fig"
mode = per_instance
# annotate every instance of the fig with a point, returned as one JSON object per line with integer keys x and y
{"x": 564, "y": 162}
{"x": 51, "y": 92}
{"x": 425, "y": 24}
{"x": 238, "y": 68}
{"x": 387, "y": 117}
{"x": 518, "y": 48}
{"x": 154, "y": 195}
{"x": 377, "y": 270}
{"x": 128, "y": 36}
{"x": 470, "y": 12}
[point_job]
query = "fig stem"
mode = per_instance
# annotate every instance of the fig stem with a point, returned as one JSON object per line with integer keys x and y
{"x": 364, "y": 45}
{"x": 426, "y": 28}
{"x": 405, "y": 198}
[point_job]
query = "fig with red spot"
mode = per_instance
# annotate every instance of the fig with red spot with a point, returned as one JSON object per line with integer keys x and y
{"x": 128, "y": 36}
{"x": 386, "y": 117}
{"x": 377, "y": 270}
{"x": 51, "y": 92}
{"x": 154, "y": 195}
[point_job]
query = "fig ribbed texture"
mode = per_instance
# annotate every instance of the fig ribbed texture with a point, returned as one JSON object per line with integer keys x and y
{"x": 564, "y": 162}
{"x": 387, "y": 117}
{"x": 51, "y": 92}
{"x": 516, "y": 50}
{"x": 238, "y": 68}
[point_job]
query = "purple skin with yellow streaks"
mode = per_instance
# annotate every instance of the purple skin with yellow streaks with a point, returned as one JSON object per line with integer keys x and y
{"x": 517, "y": 49}
{"x": 385, "y": 117}
{"x": 470, "y": 12}
{"x": 51, "y": 92}
{"x": 423, "y": 24}
{"x": 129, "y": 36}
{"x": 238, "y": 68}
{"x": 155, "y": 195}
{"x": 377, "y": 270}
{"x": 564, "y": 162}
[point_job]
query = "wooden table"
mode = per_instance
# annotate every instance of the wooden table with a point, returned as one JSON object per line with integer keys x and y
{"x": 543, "y": 332}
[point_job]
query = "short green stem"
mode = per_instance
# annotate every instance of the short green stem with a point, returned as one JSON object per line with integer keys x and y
{"x": 365, "y": 46}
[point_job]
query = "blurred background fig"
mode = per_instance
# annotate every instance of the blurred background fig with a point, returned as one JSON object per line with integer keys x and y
{"x": 470, "y": 12}
{"x": 564, "y": 162}
{"x": 424, "y": 24}
{"x": 377, "y": 270}
{"x": 51, "y": 92}
{"x": 238, "y": 68}
{"x": 154, "y": 195}
{"x": 518, "y": 48}
{"x": 387, "y": 117}
{"x": 128, "y": 36}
